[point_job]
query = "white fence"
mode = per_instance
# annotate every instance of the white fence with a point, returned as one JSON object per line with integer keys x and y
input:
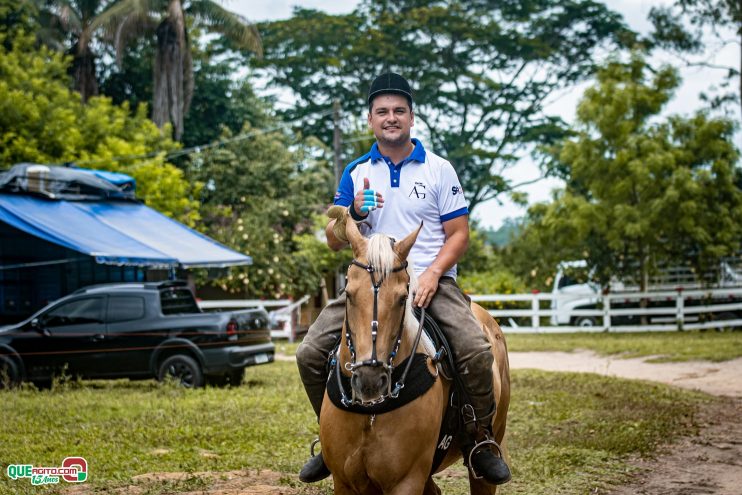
{"x": 285, "y": 314}
{"x": 679, "y": 310}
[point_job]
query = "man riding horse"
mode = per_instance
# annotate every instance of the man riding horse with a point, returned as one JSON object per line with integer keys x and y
{"x": 410, "y": 185}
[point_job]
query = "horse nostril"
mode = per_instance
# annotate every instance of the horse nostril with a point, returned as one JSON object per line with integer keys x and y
{"x": 355, "y": 381}
{"x": 383, "y": 382}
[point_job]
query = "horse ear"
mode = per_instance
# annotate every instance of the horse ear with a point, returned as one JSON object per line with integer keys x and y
{"x": 357, "y": 242}
{"x": 403, "y": 247}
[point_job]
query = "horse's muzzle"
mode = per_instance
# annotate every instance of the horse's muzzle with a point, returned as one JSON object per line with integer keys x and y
{"x": 370, "y": 383}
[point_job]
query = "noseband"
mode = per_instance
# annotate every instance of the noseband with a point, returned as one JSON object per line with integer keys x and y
{"x": 374, "y": 362}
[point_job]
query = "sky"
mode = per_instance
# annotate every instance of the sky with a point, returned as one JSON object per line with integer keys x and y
{"x": 493, "y": 213}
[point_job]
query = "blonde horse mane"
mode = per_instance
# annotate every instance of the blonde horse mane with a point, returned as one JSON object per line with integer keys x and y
{"x": 381, "y": 255}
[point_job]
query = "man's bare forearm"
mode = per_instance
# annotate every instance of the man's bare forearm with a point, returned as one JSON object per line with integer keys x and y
{"x": 450, "y": 254}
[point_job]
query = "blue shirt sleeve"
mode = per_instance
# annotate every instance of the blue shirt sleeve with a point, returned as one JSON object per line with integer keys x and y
{"x": 345, "y": 193}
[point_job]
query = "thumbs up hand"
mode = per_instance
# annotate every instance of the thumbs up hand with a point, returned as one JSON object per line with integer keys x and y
{"x": 367, "y": 200}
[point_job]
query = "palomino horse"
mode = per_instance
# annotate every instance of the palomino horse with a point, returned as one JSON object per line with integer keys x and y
{"x": 392, "y": 453}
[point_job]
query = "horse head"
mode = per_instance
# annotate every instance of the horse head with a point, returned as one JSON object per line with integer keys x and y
{"x": 378, "y": 312}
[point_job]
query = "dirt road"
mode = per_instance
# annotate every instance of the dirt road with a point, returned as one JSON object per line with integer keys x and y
{"x": 724, "y": 379}
{"x": 709, "y": 463}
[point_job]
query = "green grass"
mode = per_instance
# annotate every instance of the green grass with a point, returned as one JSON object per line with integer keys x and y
{"x": 668, "y": 346}
{"x": 287, "y": 348}
{"x": 568, "y": 434}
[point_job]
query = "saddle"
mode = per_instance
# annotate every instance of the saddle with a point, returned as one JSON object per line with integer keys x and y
{"x": 418, "y": 381}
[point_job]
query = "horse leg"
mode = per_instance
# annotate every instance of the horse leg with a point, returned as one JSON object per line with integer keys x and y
{"x": 480, "y": 487}
{"x": 431, "y": 488}
{"x": 411, "y": 485}
{"x": 341, "y": 488}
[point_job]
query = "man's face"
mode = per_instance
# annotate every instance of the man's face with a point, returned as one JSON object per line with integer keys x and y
{"x": 391, "y": 119}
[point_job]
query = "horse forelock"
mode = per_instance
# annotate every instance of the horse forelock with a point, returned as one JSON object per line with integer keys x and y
{"x": 381, "y": 255}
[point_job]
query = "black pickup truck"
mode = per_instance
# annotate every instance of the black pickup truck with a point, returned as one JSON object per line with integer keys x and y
{"x": 134, "y": 330}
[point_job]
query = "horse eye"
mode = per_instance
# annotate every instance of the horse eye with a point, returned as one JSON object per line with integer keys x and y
{"x": 402, "y": 300}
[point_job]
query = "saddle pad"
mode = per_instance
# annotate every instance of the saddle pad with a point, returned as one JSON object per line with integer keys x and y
{"x": 418, "y": 381}
{"x": 450, "y": 427}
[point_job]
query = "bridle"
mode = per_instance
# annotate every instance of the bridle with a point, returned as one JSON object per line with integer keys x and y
{"x": 388, "y": 366}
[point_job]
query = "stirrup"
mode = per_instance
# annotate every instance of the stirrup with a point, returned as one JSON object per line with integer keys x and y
{"x": 314, "y": 469}
{"x": 486, "y": 441}
{"x": 311, "y": 447}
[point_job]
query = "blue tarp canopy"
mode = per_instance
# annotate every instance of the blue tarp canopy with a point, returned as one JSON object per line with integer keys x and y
{"x": 123, "y": 181}
{"x": 116, "y": 232}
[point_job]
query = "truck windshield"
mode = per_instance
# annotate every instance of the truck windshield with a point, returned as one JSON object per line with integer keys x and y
{"x": 177, "y": 301}
{"x": 573, "y": 276}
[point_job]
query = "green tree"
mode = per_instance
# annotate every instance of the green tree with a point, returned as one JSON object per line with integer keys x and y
{"x": 535, "y": 252}
{"x": 642, "y": 191}
{"x": 260, "y": 196}
{"x": 320, "y": 260}
{"x": 680, "y": 27}
{"x": 502, "y": 236}
{"x": 129, "y": 79}
{"x": 173, "y": 83}
{"x": 43, "y": 121}
{"x": 70, "y": 25}
{"x": 481, "y": 70}
{"x": 16, "y": 17}
{"x": 482, "y": 270}
{"x": 222, "y": 99}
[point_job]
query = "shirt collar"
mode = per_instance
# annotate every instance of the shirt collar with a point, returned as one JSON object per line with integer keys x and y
{"x": 418, "y": 154}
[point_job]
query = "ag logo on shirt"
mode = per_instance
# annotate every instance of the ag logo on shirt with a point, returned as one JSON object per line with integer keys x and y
{"x": 418, "y": 190}
{"x": 456, "y": 190}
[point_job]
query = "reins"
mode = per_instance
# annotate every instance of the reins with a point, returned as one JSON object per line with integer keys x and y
{"x": 373, "y": 361}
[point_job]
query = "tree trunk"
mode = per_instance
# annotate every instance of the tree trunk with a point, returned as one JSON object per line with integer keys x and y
{"x": 83, "y": 72}
{"x": 173, "y": 86}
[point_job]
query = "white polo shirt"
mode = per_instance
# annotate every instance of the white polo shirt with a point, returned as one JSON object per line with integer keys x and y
{"x": 424, "y": 187}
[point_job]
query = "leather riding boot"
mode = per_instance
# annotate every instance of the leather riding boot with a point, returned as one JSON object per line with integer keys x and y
{"x": 487, "y": 464}
{"x": 314, "y": 470}
{"x": 482, "y": 454}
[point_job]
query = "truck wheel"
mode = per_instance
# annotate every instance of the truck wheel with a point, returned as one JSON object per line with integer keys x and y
{"x": 184, "y": 369}
{"x": 585, "y": 322}
{"x": 9, "y": 375}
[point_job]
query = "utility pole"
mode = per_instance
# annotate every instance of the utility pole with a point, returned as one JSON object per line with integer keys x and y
{"x": 336, "y": 140}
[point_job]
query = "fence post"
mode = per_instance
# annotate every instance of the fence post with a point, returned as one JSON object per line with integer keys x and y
{"x": 607, "y": 312}
{"x": 535, "y": 308}
{"x": 680, "y": 309}
{"x": 292, "y": 326}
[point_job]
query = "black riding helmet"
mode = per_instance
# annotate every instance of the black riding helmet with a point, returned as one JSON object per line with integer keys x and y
{"x": 390, "y": 82}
